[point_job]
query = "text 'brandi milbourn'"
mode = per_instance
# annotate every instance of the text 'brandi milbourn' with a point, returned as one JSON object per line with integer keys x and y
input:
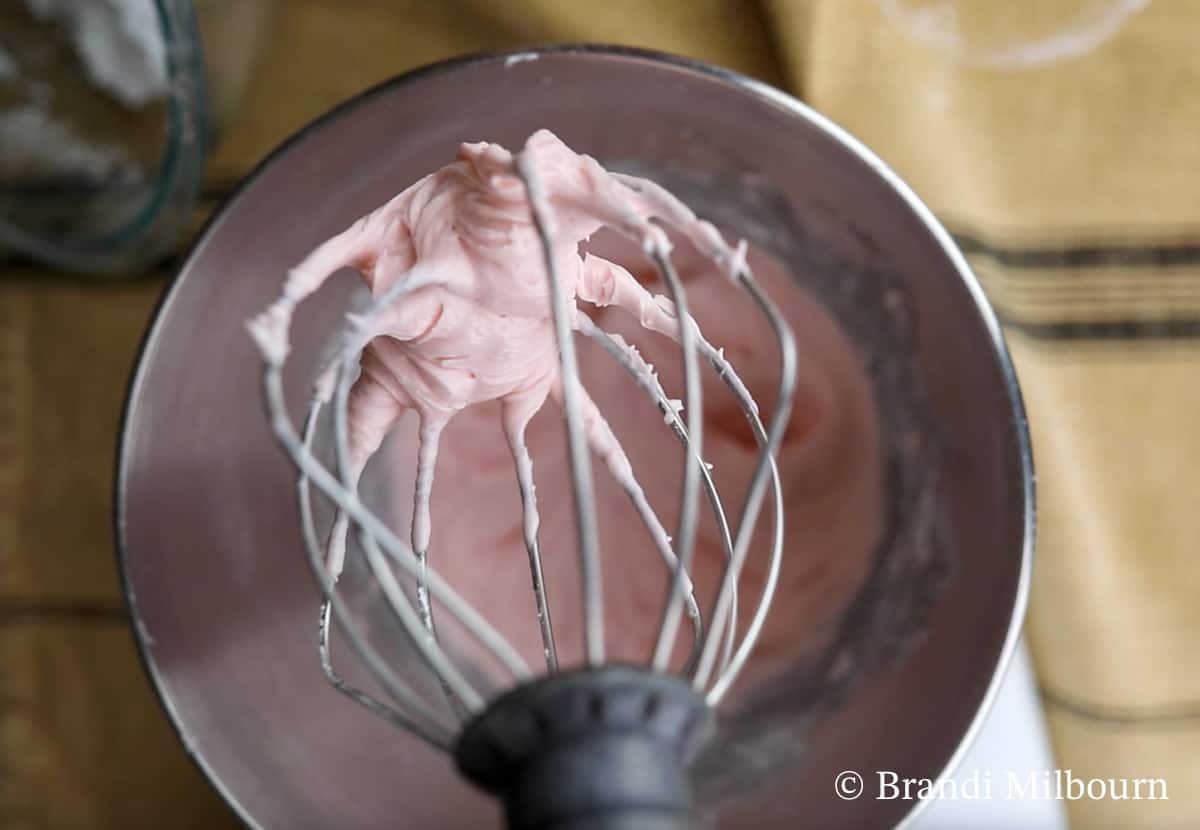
{"x": 1047, "y": 785}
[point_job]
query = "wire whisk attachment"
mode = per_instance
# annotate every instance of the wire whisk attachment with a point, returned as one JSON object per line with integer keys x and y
{"x": 460, "y": 249}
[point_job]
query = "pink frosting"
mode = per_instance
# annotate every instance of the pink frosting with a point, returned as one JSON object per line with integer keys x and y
{"x": 483, "y": 332}
{"x": 480, "y": 338}
{"x": 482, "y": 329}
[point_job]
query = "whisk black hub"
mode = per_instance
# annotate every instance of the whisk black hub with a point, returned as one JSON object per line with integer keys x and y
{"x": 603, "y": 749}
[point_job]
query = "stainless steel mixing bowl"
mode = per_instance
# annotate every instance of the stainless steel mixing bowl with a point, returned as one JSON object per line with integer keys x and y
{"x": 224, "y": 605}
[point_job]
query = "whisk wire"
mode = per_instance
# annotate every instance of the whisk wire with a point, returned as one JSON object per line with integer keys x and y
{"x": 414, "y": 715}
{"x": 441, "y": 737}
{"x": 704, "y": 236}
{"x": 765, "y": 472}
{"x": 644, "y": 377}
{"x": 581, "y": 476}
{"x": 693, "y": 461}
{"x": 460, "y": 695}
{"x": 395, "y": 549}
